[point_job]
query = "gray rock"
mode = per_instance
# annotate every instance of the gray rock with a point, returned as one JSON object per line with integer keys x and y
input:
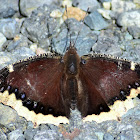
{"x": 22, "y": 41}
{"x": 4, "y": 46}
{"x": 128, "y": 36}
{"x": 47, "y": 135}
{"x": 16, "y": 135}
{"x": 113, "y": 15}
{"x": 26, "y": 7}
{"x": 105, "y": 13}
{"x": 36, "y": 33}
{"x": 121, "y": 6}
{"x": 134, "y": 31}
{"x": 75, "y": 120}
{"x": 125, "y": 128}
{"x": 95, "y": 21}
{"x": 2, "y": 40}
{"x": 83, "y": 45}
{"x": 22, "y": 53}
{"x": 7, "y": 58}
{"x": 84, "y": 5}
{"x": 105, "y": 1}
{"x": 108, "y": 136}
{"x": 39, "y": 28}
{"x": 131, "y": 49}
{"x": 107, "y": 45}
{"x": 87, "y": 135}
{"x": 114, "y": 42}
{"x": 85, "y": 38}
{"x": 4, "y": 59}
{"x": 76, "y": 28}
{"x": 46, "y": 127}
{"x": 12, "y": 45}
{"x": 30, "y": 133}
{"x": 30, "y": 125}
{"x": 110, "y": 126}
{"x": 9, "y": 27}
{"x": 90, "y": 130}
{"x": 10, "y": 119}
{"x": 17, "y": 51}
{"x": 124, "y": 137}
{"x": 99, "y": 135}
{"x": 8, "y": 8}
{"x": 130, "y": 122}
{"x": 8, "y": 13}
{"x": 89, "y": 125}
{"x": 2, "y": 135}
{"x": 131, "y": 18}
{"x": 132, "y": 113}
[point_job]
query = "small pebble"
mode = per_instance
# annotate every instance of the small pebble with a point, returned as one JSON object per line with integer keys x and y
{"x": 107, "y": 5}
{"x": 16, "y": 135}
{"x": 105, "y": 13}
{"x": 67, "y": 3}
{"x": 9, "y": 27}
{"x": 33, "y": 47}
{"x": 131, "y": 18}
{"x": 22, "y": 53}
{"x": 56, "y": 13}
{"x": 40, "y": 51}
{"x": 128, "y": 36}
{"x": 2, "y": 135}
{"x": 27, "y": 7}
{"x": 124, "y": 137}
{"x": 91, "y": 5}
{"x": 73, "y": 12}
{"x": 2, "y": 41}
{"x": 134, "y": 31}
{"x": 95, "y": 21}
{"x": 108, "y": 136}
{"x": 99, "y": 135}
{"x": 121, "y": 6}
{"x": 9, "y": 8}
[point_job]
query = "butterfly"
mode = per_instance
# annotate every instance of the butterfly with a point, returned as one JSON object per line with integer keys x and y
{"x": 54, "y": 84}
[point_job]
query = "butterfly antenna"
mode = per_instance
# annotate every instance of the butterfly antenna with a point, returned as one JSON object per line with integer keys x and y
{"x": 68, "y": 29}
{"x": 81, "y": 27}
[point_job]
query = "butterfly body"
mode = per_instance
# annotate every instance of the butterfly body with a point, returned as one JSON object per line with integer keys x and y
{"x": 71, "y": 84}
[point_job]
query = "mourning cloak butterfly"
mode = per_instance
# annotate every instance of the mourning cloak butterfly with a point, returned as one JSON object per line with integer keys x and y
{"x": 52, "y": 84}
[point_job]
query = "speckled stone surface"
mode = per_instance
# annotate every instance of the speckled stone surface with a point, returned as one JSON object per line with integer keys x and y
{"x": 25, "y": 31}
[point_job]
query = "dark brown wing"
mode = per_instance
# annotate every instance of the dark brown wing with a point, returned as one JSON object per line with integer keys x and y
{"x": 106, "y": 80}
{"x": 37, "y": 83}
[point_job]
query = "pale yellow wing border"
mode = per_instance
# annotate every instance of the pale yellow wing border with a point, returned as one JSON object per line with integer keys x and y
{"x": 118, "y": 109}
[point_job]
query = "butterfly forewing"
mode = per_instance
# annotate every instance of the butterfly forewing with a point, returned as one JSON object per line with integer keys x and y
{"x": 40, "y": 80}
{"x": 105, "y": 78}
